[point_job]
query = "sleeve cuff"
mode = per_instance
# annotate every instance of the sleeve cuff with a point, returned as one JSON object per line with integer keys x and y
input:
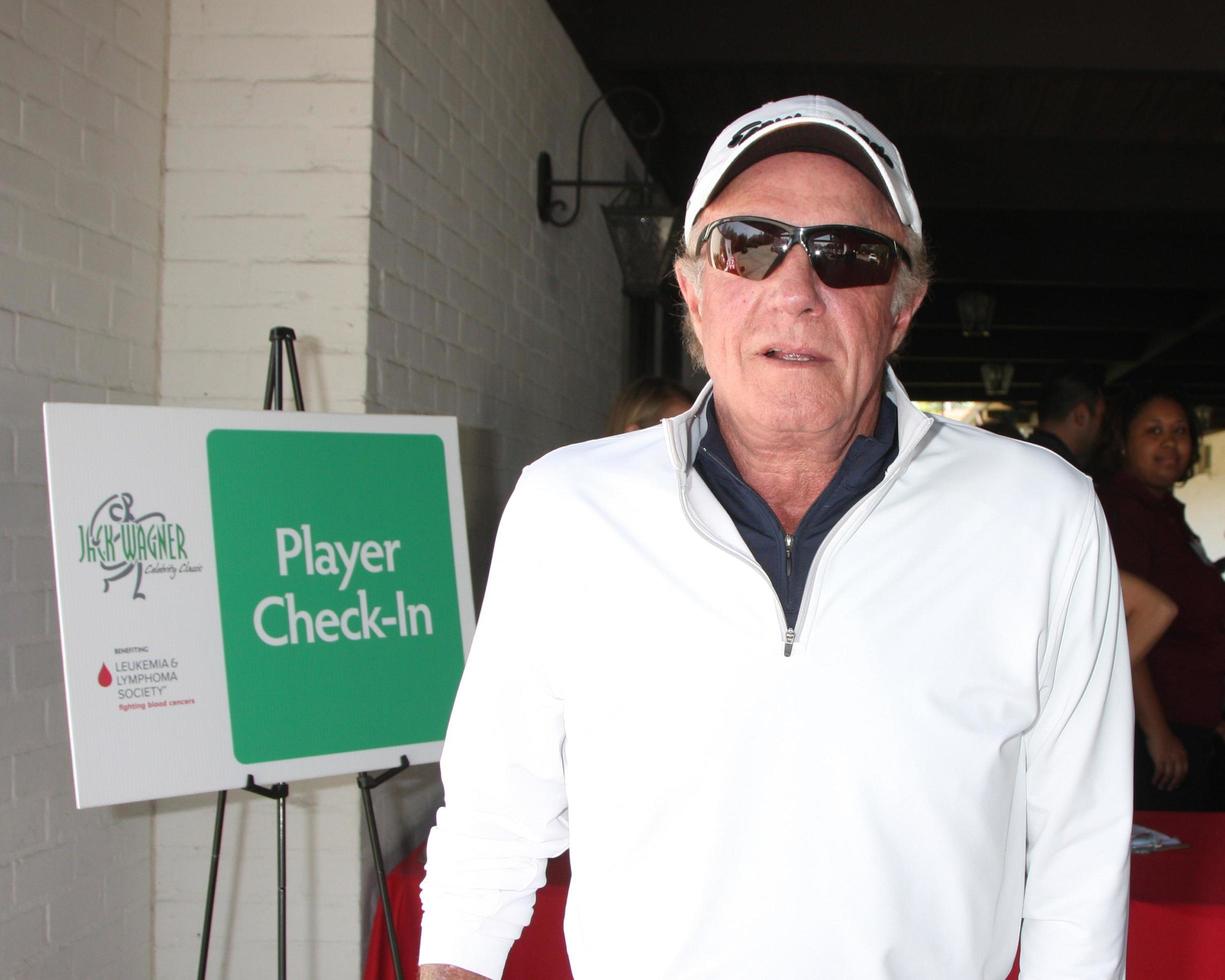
{"x": 465, "y": 949}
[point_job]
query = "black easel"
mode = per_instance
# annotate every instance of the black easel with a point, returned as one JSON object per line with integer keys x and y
{"x": 367, "y": 782}
{"x": 282, "y": 340}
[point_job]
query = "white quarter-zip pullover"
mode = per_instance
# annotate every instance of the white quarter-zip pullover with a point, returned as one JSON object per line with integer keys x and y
{"x": 944, "y": 754}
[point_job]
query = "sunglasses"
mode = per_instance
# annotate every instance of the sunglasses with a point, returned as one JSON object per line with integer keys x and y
{"x": 843, "y": 256}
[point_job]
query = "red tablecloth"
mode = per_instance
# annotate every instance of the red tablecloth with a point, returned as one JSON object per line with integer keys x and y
{"x": 1177, "y": 929}
{"x": 1178, "y": 901}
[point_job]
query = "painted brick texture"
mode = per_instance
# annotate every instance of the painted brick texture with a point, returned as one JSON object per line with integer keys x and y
{"x": 267, "y": 198}
{"x": 518, "y": 322}
{"x": 322, "y": 873}
{"x": 81, "y": 90}
{"x": 477, "y": 309}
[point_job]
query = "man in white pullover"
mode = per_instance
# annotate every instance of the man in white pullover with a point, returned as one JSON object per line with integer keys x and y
{"x": 720, "y": 661}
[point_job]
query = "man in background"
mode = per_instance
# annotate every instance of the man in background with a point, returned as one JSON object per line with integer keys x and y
{"x": 1071, "y": 409}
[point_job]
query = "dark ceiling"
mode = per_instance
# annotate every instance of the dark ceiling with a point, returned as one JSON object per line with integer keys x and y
{"x": 1069, "y": 159}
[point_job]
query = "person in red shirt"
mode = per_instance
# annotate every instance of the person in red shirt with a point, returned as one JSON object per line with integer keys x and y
{"x": 1180, "y": 688}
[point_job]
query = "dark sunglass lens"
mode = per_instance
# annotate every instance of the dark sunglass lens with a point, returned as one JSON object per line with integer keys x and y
{"x": 847, "y": 258}
{"x": 745, "y": 249}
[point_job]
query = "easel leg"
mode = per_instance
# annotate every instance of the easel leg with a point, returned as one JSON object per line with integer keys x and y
{"x": 282, "y": 341}
{"x": 278, "y": 792}
{"x": 205, "y": 933}
{"x": 366, "y": 783}
{"x": 280, "y": 884}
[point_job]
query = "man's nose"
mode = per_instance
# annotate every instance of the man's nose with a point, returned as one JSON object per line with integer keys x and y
{"x": 798, "y": 289}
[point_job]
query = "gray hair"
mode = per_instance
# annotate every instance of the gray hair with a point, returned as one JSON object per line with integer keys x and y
{"x": 910, "y": 282}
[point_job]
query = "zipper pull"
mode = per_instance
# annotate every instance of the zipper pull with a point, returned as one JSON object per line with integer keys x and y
{"x": 789, "y": 641}
{"x": 788, "y": 541}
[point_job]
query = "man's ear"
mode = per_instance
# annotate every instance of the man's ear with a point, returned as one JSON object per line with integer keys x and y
{"x": 1081, "y": 415}
{"x": 691, "y": 293}
{"x": 689, "y": 290}
{"x": 901, "y": 321}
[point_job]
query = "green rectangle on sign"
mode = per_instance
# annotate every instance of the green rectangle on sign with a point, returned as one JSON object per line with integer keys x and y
{"x": 339, "y": 602}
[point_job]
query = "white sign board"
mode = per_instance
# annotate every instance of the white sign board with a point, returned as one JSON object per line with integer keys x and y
{"x": 264, "y": 594}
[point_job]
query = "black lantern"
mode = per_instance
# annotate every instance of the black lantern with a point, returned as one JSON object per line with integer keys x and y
{"x": 975, "y": 310}
{"x": 645, "y": 237}
{"x": 644, "y": 228}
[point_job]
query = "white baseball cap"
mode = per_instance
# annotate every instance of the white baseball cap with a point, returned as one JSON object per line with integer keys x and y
{"x": 804, "y": 122}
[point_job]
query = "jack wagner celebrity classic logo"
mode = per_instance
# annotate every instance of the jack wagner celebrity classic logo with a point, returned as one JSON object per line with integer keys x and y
{"x": 124, "y": 543}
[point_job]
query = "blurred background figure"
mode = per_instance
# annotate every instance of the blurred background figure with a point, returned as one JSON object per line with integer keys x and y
{"x": 1180, "y": 688}
{"x": 644, "y": 402}
{"x": 1071, "y": 408}
{"x": 1149, "y": 613}
{"x": 1147, "y": 610}
{"x": 1003, "y": 426}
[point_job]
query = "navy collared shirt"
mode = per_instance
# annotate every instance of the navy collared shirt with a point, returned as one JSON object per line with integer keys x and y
{"x": 787, "y": 561}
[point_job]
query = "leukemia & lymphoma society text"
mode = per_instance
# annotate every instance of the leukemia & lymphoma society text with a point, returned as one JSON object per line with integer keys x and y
{"x": 139, "y": 677}
{"x": 145, "y": 678}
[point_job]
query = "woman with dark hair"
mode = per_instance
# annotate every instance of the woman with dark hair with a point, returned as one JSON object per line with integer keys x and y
{"x": 645, "y": 402}
{"x": 1180, "y": 688}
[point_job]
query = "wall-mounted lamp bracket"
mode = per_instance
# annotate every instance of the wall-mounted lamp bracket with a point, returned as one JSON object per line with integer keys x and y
{"x": 553, "y": 211}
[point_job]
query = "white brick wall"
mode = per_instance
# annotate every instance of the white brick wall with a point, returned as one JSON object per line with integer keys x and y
{"x": 322, "y": 876}
{"x": 267, "y": 197}
{"x": 81, "y": 88}
{"x": 477, "y": 309}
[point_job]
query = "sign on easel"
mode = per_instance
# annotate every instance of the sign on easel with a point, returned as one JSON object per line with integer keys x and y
{"x": 280, "y": 595}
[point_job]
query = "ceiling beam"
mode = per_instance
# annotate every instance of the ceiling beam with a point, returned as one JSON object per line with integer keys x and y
{"x": 1164, "y": 340}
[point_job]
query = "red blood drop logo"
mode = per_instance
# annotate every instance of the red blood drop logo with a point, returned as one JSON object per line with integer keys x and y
{"x": 104, "y": 677}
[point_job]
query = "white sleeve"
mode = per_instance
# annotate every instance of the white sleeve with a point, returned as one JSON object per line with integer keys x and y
{"x": 505, "y": 811}
{"x": 1078, "y": 775}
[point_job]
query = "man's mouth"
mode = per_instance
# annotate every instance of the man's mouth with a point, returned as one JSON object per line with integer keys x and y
{"x": 793, "y": 356}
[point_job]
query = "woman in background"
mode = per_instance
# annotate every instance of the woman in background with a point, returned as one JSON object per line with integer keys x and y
{"x": 645, "y": 402}
{"x": 1180, "y": 687}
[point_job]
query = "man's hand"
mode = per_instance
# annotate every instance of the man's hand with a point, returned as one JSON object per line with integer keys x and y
{"x": 436, "y": 971}
{"x": 1169, "y": 759}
